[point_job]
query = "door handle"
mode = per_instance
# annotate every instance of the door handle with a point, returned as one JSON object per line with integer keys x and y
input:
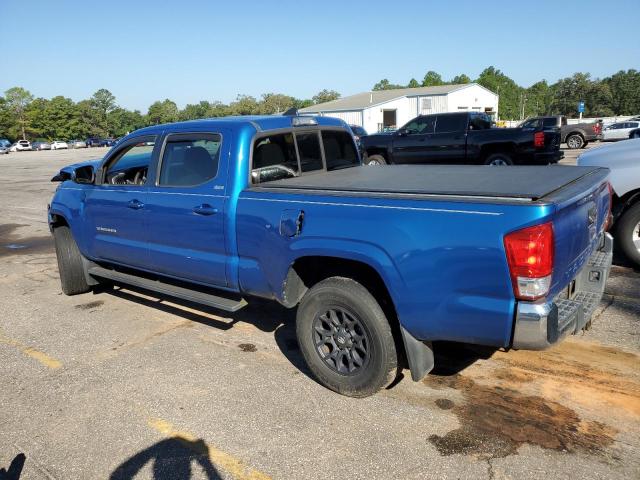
{"x": 135, "y": 204}
{"x": 205, "y": 209}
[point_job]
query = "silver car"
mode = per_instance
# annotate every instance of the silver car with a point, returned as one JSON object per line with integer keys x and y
{"x": 40, "y": 146}
{"x": 619, "y": 130}
{"x": 623, "y": 159}
{"x": 77, "y": 144}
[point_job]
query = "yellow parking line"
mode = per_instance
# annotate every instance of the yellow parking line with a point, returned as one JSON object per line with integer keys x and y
{"x": 41, "y": 357}
{"x": 224, "y": 460}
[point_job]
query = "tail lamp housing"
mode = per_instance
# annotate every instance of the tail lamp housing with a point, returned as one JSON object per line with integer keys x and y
{"x": 530, "y": 255}
{"x": 609, "y": 218}
{"x": 538, "y": 140}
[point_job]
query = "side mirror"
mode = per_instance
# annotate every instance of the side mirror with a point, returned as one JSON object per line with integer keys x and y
{"x": 84, "y": 175}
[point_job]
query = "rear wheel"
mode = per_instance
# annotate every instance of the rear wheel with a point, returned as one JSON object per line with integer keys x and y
{"x": 345, "y": 338}
{"x": 628, "y": 233}
{"x": 499, "y": 160}
{"x": 375, "y": 160}
{"x": 70, "y": 266}
{"x": 575, "y": 141}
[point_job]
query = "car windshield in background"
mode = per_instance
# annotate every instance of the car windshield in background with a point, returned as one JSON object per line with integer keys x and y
{"x": 358, "y": 130}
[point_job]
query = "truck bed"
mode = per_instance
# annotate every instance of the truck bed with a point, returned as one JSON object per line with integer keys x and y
{"x": 526, "y": 183}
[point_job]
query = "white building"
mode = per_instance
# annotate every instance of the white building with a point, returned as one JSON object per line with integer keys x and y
{"x": 382, "y": 109}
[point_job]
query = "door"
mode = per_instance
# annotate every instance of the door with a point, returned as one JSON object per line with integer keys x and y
{"x": 449, "y": 140}
{"x": 410, "y": 142}
{"x": 186, "y": 208}
{"x": 115, "y": 208}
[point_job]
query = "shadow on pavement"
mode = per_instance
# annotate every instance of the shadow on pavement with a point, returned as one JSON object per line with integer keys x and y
{"x": 171, "y": 458}
{"x": 15, "y": 468}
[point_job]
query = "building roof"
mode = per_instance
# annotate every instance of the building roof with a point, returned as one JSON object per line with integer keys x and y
{"x": 363, "y": 100}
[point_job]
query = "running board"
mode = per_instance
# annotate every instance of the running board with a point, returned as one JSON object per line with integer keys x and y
{"x": 222, "y": 303}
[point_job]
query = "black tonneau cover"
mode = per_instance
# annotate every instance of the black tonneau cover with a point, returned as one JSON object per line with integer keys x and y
{"x": 526, "y": 183}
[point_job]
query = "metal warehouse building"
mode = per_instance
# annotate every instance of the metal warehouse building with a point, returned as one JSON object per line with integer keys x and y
{"x": 390, "y": 109}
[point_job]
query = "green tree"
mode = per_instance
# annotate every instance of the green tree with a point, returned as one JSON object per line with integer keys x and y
{"x": 413, "y": 83}
{"x": 103, "y": 102}
{"x": 432, "y": 79}
{"x": 539, "y": 97}
{"x": 275, "y": 103}
{"x": 194, "y": 111}
{"x": 17, "y": 100}
{"x": 460, "y": 79}
{"x": 6, "y": 121}
{"x": 569, "y": 91}
{"x": 163, "y": 112}
{"x": 244, "y": 105}
{"x": 511, "y": 95}
{"x": 385, "y": 85}
{"x": 123, "y": 121}
{"x": 625, "y": 92}
{"x": 324, "y": 96}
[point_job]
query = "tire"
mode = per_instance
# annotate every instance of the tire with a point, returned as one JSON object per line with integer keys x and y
{"x": 627, "y": 233}
{"x": 499, "y": 159}
{"x": 358, "y": 325}
{"x": 584, "y": 145}
{"x": 70, "y": 266}
{"x": 375, "y": 160}
{"x": 575, "y": 141}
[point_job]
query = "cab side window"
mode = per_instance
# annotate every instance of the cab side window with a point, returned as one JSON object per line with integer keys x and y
{"x": 130, "y": 165}
{"x": 189, "y": 160}
{"x": 274, "y": 158}
{"x": 420, "y": 125}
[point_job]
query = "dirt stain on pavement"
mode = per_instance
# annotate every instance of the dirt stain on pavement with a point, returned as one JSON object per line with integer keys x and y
{"x": 575, "y": 397}
{"x": 248, "y": 347}
{"x": 90, "y": 305}
{"x": 13, "y": 245}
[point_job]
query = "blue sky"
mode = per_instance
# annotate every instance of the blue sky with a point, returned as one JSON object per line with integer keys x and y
{"x": 193, "y": 50}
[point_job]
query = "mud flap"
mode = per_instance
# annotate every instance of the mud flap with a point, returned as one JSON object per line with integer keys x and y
{"x": 419, "y": 355}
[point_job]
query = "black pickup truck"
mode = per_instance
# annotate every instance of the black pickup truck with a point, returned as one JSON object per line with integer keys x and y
{"x": 575, "y": 135}
{"x": 462, "y": 138}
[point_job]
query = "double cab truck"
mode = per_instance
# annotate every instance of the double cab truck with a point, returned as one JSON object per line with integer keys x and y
{"x": 462, "y": 138}
{"x": 379, "y": 262}
{"x": 575, "y": 135}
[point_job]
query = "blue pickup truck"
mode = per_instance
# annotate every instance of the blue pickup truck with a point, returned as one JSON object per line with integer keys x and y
{"x": 380, "y": 261}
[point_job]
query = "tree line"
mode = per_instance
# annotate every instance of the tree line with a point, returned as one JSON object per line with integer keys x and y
{"x": 618, "y": 94}
{"x": 24, "y": 116}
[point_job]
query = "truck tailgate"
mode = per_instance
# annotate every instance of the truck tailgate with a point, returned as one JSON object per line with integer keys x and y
{"x": 580, "y": 217}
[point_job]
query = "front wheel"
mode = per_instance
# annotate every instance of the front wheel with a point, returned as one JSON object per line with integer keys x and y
{"x": 72, "y": 277}
{"x": 628, "y": 233}
{"x": 345, "y": 338}
{"x": 499, "y": 160}
{"x": 575, "y": 141}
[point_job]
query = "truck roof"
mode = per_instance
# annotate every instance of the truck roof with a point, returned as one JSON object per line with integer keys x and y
{"x": 259, "y": 122}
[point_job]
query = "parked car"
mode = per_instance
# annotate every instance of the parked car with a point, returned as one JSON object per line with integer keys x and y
{"x": 107, "y": 142}
{"x": 4, "y": 150}
{"x": 5, "y": 143}
{"x": 462, "y": 138}
{"x": 20, "y": 146}
{"x": 623, "y": 159}
{"x": 41, "y": 146}
{"x": 634, "y": 133}
{"x": 93, "y": 142}
{"x": 468, "y": 254}
{"x": 77, "y": 144}
{"x": 575, "y": 135}
{"x": 619, "y": 130}
{"x": 59, "y": 145}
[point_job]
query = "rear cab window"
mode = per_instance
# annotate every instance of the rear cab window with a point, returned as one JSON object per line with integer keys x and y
{"x": 299, "y": 152}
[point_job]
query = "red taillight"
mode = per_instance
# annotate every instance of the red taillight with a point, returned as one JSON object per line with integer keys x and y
{"x": 607, "y": 222}
{"x": 597, "y": 128}
{"x": 530, "y": 258}
{"x": 538, "y": 139}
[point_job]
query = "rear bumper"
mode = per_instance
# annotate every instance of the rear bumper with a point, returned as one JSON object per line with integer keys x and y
{"x": 544, "y": 323}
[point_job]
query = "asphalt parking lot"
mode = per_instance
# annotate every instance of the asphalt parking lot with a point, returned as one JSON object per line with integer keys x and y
{"x": 120, "y": 384}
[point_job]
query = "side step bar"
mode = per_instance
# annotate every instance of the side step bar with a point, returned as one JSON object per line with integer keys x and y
{"x": 208, "y": 299}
